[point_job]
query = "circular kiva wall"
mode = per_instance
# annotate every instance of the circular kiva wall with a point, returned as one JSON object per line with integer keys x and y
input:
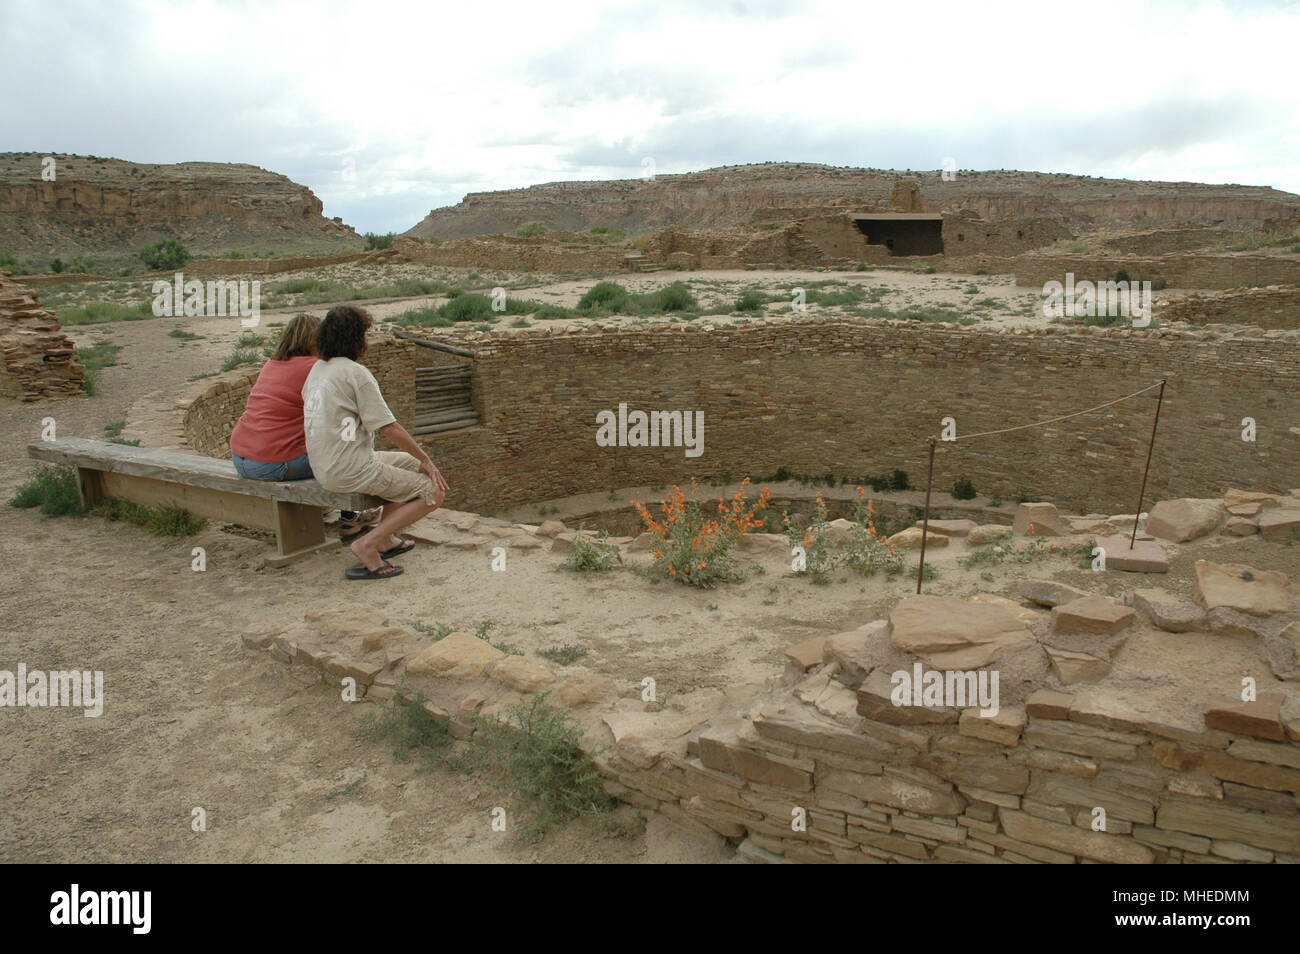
{"x": 851, "y": 397}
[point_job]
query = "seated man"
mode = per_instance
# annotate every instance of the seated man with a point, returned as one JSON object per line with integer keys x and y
{"x": 342, "y": 411}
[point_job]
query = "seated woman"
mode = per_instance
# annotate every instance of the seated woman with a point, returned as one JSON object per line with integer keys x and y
{"x": 343, "y": 411}
{"x": 267, "y": 442}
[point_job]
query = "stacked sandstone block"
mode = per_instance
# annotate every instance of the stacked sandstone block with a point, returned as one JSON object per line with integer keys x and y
{"x": 39, "y": 360}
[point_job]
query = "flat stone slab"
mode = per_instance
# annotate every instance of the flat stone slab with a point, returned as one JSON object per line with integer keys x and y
{"x": 1091, "y": 614}
{"x": 1072, "y": 667}
{"x": 1185, "y": 519}
{"x": 1240, "y": 527}
{"x": 1049, "y": 592}
{"x": 1145, "y": 556}
{"x": 1234, "y": 498}
{"x": 1242, "y": 588}
{"x": 808, "y": 653}
{"x": 1279, "y": 524}
{"x": 1169, "y": 612}
{"x": 1261, "y": 718}
{"x": 951, "y": 633}
{"x": 987, "y": 533}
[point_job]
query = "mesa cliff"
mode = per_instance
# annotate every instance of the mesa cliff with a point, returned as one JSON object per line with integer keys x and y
{"x": 104, "y": 206}
{"x": 732, "y": 196}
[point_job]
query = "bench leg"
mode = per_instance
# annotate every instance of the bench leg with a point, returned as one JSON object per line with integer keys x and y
{"x": 299, "y": 530}
{"x": 90, "y": 489}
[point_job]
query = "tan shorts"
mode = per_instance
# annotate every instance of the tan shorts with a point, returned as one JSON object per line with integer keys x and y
{"x": 401, "y": 479}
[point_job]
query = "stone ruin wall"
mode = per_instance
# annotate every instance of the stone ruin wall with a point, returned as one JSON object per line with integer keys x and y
{"x": 1018, "y": 788}
{"x": 853, "y": 397}
{"x": 39, "y": 361}
{"x": 1277, "y": 307}
{"x": 1178, "y": 270}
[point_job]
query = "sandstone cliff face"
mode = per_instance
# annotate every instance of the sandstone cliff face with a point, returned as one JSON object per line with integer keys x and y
{"x": 100, "y": 205}
{"x": 735, "y": 195}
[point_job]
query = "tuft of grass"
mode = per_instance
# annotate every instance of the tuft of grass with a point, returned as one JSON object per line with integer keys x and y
{"x": 536, "y": 754}
{"x": 166, "y": 521}
{"x": 563, "y": 655}
{"x": 408, "y": 728}
{"x": 592, "y": 557}
{"x": 53, "y": 489}
{"x": 96, "y": 312}
{"x": 94, "y": 358}
{"x": 184, "y": 335}
{"x": 241, "y": 356}
{"x": 112, "y": 430}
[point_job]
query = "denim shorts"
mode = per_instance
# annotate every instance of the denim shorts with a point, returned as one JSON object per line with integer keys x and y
{"x": 297, "y": 469}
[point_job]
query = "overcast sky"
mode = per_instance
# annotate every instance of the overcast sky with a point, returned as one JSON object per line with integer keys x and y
{"x": 386, "y": 110}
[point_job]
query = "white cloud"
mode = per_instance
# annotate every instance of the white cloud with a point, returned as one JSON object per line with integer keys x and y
{"x": 432, "y": 100}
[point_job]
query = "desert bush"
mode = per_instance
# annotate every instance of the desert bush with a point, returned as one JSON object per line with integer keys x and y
{"x": 964, "y": 489}
{"x": 674, "y": 297}
{"x": 610, "y": 296}
{"x": 529, "y": 229}
{"x": 375, "y": 241}
{"x": 239, "y": 357}
{"x": 751, "y": 300}
{"x": 53, "y": 489}
{"x": 563, "y": 655}
{"x": 593, "y": 557}
{"x": 96, "y": 312}
{"x": 536, "y": 754}
{"x": 865, "y": 550}
{"x": 165, "y": 256}
{"x": 693, "y": 545}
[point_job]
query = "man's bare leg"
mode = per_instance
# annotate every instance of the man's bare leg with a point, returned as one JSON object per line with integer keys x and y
{"x": 382, "y": 535}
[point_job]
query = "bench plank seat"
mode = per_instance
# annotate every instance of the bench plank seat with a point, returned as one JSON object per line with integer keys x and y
{"x": 205, "y": 486}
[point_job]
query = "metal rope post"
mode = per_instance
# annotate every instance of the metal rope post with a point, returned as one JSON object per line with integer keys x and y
{"x": 1150, "y": 447}
{"x": 925, "y": 523}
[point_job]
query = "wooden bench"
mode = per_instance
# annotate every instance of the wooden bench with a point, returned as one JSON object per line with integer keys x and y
{"x": 206, "y": 487}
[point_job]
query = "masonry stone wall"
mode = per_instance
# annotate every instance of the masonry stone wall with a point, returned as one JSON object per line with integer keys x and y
{"x": 1178, "y": 270}
{"x": 37, "y": 360}
{"x": 1277, "y": 307}
{"x": 856, "y": 396}
{"x": 808, "y": 779}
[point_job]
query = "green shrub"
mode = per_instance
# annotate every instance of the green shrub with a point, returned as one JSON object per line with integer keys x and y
{"x": 964, "y": 489}
{"x": 8, "y": 262}
{"x": 57, "y": 266}
{"x": 674, "y": 297}
{"x": 53, "y": 489}
{"x": 374, "y": 241}
{"x": 593, "y": 557}
{"x": 165, "y": 256}
{"x": 536, "y": 754}
{"x": 693, "y": 544}
{"x": 610, "y": 296}
{"x": 529, "y": 229}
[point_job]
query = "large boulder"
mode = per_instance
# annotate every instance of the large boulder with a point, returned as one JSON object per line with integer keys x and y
{"x": 950, "y": 633}
{"x": 1185, "y": 519}
{"x": 910, "y": 539}
{"x": 1242, "y": 588}
{"x": 987, "y": 533}
{"x": 1043, "y": 517}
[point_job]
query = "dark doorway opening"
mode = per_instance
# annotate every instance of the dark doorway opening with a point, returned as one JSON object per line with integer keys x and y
{"x": 903, "y": 233}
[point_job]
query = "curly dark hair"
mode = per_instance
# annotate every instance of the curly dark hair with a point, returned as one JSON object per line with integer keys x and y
{"x": 343, "y": 332}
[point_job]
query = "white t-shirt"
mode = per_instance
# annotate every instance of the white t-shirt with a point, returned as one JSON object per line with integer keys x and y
{"x": 342, "y": 412}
